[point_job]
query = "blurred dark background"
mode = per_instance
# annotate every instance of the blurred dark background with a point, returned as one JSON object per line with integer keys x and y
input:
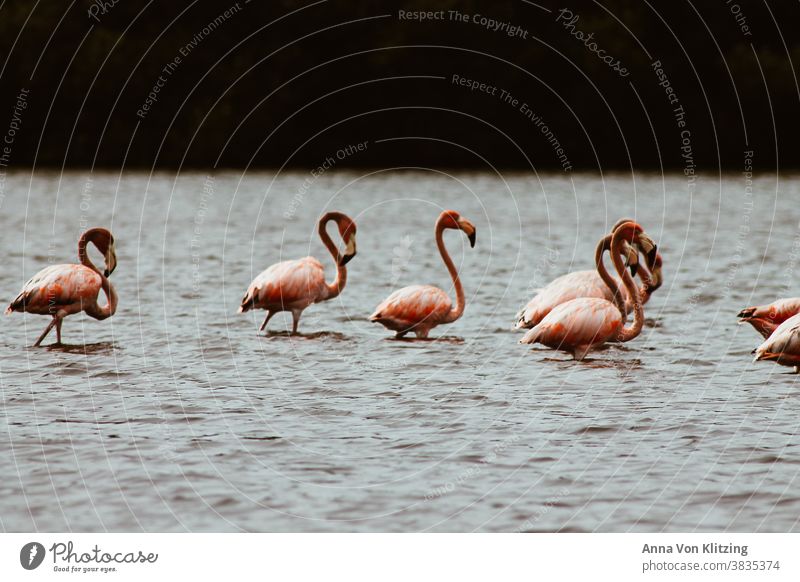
{"x": 291, "y": 83}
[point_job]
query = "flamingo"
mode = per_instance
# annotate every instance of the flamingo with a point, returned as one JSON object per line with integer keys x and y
{"x": 61, "y": 290}
{"x": 586, "y": 322}
{"x": 294, "y": 285}
{"x": 590, "y": 284}
{"x": 420, "y": 308}
{"x": 783, "y": 345}
{"x": 766, "y": 318}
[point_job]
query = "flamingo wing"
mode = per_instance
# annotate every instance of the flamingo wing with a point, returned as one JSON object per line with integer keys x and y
{"x": 287, "y": 285}
{"x": 57, "y": 287}
{"x": 565, "y": 288}
{"x": 766, "y": 318}
{"x": 783, "y": 346}
{"x": 577, "y": 325}
{"x": 413, "y": 306}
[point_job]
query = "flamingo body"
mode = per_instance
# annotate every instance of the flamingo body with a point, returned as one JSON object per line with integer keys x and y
{"x": 766, "y": 318}
{"x": 783, "y": 345}
{"x": 287, "y": 286}
{"x": 577, "y": 325}
{"x": 566, "y": 288}
{"x": 68, "y": 287}
{"x": 416, "y": 308}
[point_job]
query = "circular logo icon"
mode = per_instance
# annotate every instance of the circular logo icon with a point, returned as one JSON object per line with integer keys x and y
{"x": 31, "y": 555}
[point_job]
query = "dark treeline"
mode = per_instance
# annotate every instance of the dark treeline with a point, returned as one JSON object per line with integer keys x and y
{"x": 272, "y": 83}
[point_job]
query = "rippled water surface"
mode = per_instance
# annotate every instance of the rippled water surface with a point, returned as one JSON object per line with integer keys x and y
{"x": 176, "y": 414}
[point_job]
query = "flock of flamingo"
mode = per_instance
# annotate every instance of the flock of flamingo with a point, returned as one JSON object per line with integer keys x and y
{"x": 575, "y": 313}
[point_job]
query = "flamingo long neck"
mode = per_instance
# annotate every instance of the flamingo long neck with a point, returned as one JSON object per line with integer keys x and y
{"x": 627, "y": 333}
{"x": 647, "y": 282}
{"x": 458, "y": 310}
{"x": 341, "y": 271}
{"x": 83, "y": 256}
{"x": 611, "y": 282}
{"x": 110, "y": 308}
{"x": 95, "y": 310}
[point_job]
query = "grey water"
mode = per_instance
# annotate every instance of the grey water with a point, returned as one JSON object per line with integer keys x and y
{"x": 176, "y": 414}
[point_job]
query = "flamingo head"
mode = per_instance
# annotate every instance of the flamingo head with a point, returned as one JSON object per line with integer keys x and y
{"x": 104, "y": 241}
{"x": 648, "y": 248}
{"x": 634, "y": 235}
{"x": 452, "y": 219}
{"x": 347, "y": 229}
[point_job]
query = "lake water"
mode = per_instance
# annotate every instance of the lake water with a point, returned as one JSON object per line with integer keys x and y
{"x": 176, "y": 414}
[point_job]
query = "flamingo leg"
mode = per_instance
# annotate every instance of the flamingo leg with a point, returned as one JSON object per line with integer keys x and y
{"x": 59, "y": 321}
{"x": 266, "y": 320}
{"x": 46, "y": 331}
{"x": 295, "y": 320}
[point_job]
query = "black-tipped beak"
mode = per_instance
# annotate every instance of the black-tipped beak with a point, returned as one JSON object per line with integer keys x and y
{"x": 106, "y": 273}
{"x": 346, "y": 259}
{"x": 634, "y": 269}
{"x": 471, "y": 238}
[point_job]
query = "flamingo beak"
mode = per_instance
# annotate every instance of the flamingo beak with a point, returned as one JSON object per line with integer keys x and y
{"x": 111, "y": 260}
{"x": 632, "y": 258}
{"x": 349, "y": 251}
{"x": 469, "y": 230}
{"x": 649, "y": 248}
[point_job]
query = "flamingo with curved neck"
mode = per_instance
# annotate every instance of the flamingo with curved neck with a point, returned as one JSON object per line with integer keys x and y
{"x": 420, "y": 308}
{"x": 581, "y": 324}
{"x": 588, "y": 283}
{"x": 61, "y": 290}
{"x": 294, "y": 285}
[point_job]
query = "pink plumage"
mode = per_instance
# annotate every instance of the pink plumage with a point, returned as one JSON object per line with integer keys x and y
{"x": 783, "y": 345}
{"x": 766, "y": 318}
{"x": 62, "y": 290}
{"x": 294, "y": 285}
{"x": 589, "y": 283}
{"x": 420, "y": 308}
{"x": 582, "y": 323}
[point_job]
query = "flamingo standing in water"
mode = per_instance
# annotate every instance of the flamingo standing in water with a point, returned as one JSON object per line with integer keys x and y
{"x": 61, "y": 290}
{"x": 586, "y": 322}
{"x": 294, "y": 285}
{"x": 590, "y": 283}
{"x": 766, "y": 318}
{"x": 783, "y": 345}
{"x": 420, "y": 308}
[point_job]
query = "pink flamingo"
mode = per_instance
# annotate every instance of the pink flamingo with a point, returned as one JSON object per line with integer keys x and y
{"x": 420, "y": 308}
{"x": 586, "y": 322}
{"x": 766, "y": 318}
{"x": 590, "y": 284}
{"x": 783, "y": 345}
{"x": 294, "y": 285}
{"x": 61, "y": 290}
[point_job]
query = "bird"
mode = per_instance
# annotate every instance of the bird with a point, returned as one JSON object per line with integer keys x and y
{"x": 783, "y": 345}
{"x": 61, "y": 290}
{"x": 581, "y": 324}
{"x": 294, "y": 285}
{"x": 766, "y": 318}
{"x": 589, "y": 283}
{"x": 420, "y": 308}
